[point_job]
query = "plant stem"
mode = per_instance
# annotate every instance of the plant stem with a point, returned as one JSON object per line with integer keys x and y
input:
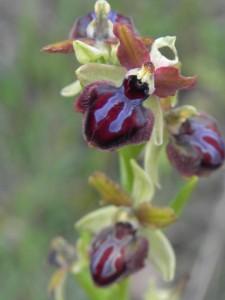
{"x": 126, "y": 173}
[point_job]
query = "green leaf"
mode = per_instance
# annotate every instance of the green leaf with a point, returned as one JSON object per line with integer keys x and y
{"x": 183, "y": 196}
{"x": 72, "y": 89}
{"x": 91, "y": 72}
{"x": 86, "y": 53}
{"x": 143, "y": 188}
{"x": 125, "y": 156}
{"x": 161, "y": 253}
{"x": 96, "y": 220}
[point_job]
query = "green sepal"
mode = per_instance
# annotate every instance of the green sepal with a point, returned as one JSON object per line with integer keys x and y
{"x": 161, "y": 253}
{"x": 91, "y": 72}
{"x": 155, "y": 292}
{"x": 82, "y": 252}
{"x": 86, "y": 53}
{"x": 72, "y": 89}
{"x": 98, "y": 219}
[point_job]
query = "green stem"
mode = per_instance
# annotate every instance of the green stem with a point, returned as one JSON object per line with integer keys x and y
{"x": 126, "y": 173}
{"x": 123, "y": 290}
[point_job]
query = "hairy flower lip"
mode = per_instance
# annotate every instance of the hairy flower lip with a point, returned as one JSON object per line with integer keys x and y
{"x": 117, "y": 252}
{"x": 114, "y": 117}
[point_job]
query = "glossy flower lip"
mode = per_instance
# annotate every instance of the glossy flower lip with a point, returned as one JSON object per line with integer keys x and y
{"x": 198, "y": 148}
{"x": 114, "y": 117}
{"x": 133, "y": 53}
{"x": 117, "y": 252}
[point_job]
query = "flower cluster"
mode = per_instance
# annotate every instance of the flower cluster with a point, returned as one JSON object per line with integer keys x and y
{"x": 127, "y": 95}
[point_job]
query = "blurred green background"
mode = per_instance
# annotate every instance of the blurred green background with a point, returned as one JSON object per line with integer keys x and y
{"x": 44, "y": 160}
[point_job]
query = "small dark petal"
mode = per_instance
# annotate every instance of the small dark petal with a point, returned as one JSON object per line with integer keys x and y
{"x": 116, "y": 252}
{"x": 168, "y": 80}
{"x": 198, "y": 148}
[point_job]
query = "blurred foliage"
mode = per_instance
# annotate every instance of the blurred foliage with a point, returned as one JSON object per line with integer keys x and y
{"x": 44, "y": 160}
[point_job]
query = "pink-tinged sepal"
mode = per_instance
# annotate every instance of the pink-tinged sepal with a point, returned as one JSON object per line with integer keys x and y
{"x": 132, "y": 52}
{"x": 168, "y": 81}
{"x": 113, "y": 116}
{"x": 59, "y": 47}
{"x": 198, "y": 148}
{"x": 117, "y": 252}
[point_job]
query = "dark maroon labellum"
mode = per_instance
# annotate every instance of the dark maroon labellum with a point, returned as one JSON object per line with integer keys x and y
{"x": 198, "y": 148}
{"x": 117, "y": 252}
{"x": 79, "y": 29}
{"x": 115, "y": 116}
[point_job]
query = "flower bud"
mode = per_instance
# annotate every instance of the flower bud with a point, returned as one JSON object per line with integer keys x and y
{"x": 198, "y": 147}
{"x": 98, "y": 23}
{"x": 117, "y": 252}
